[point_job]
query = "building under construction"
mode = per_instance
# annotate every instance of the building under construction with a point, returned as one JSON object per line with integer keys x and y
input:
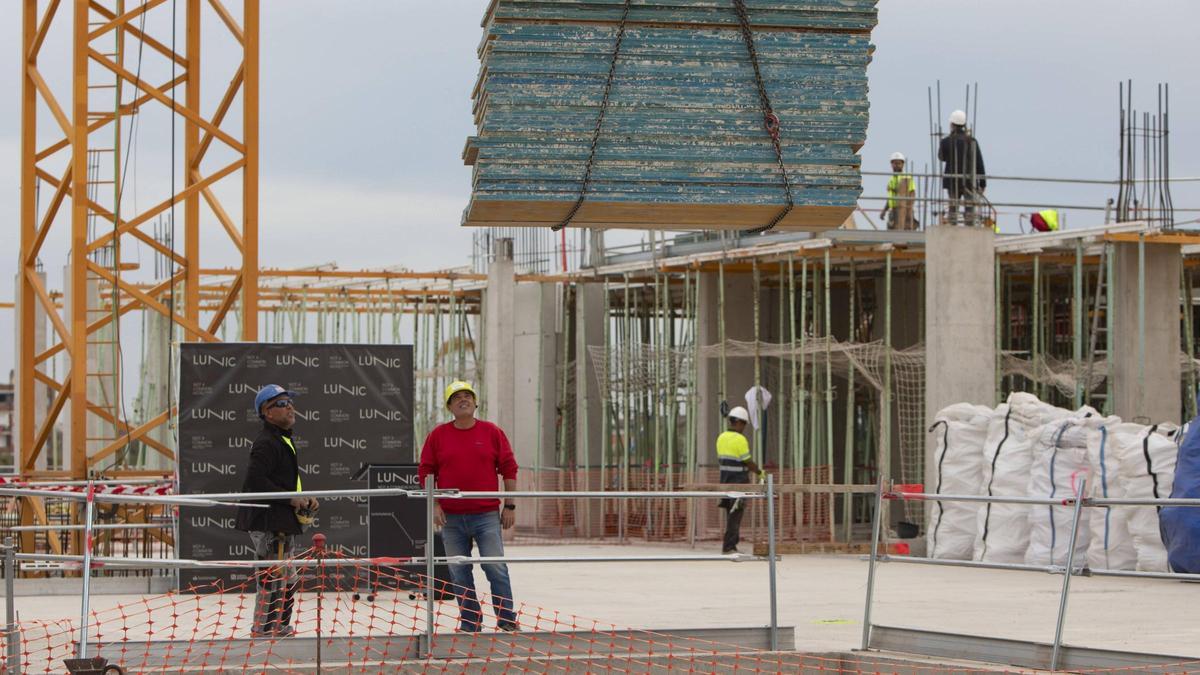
{"x": 759, "y": 282}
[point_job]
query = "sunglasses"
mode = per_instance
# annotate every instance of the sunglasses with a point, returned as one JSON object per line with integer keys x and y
{"x": 282, "y": 403}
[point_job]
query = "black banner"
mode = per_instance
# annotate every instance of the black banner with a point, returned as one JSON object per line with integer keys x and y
{"x": 354, "y": 407}
{"x": 398, "y": 527}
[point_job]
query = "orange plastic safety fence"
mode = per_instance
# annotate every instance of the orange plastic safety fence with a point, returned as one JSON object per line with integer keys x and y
{"x": 371, "y": 617}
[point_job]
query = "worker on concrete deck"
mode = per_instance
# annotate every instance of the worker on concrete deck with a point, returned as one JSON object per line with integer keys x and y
{"x": 964, "y": 176}
{"x": 901, "y": 190}
{"x": 468, "y": 454}
{"x": 275, "y": 467}
{"x": 733, "y": 456}
{"x": 1045, "y": 220}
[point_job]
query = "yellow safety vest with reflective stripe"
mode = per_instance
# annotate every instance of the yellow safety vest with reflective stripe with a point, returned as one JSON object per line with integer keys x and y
{"x": 1051, "y": 218}
{"x": 732, "y": 451}
{"x": 893, "y": 187}
{"x": 299, "y": 486}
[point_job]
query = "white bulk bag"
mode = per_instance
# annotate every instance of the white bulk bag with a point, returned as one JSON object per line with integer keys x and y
{"x": 959, "y": 432}
{"x": 1060, "y": 464}
{"x": 1111, "y": 546}
{"x": 1147, "y": 470}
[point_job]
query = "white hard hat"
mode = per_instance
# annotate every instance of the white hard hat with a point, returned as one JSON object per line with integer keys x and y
{"x": 958, "y": 117}
{"x": 739, "y": 413}
{"x": 897, "y": 156}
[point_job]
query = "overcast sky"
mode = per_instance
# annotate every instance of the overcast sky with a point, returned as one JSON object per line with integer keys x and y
{"x": 366, "y": 105}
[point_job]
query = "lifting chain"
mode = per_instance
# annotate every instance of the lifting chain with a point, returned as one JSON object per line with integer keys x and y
{"x": 770, "y": 119}
{"x": 587, "y": 171}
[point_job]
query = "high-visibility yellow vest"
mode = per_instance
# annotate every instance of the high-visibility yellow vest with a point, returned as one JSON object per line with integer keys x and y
{"x": 893, "y": 187}
{"x": 732, "y": 451}
{"x": 299, "y": 486}
{"x": 1051, "y": 218}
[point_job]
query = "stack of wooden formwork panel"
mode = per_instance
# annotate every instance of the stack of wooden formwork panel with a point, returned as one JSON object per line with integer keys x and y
{"x": 683, "y": 144}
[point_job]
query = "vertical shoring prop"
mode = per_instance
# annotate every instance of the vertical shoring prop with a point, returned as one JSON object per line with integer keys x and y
{"x": 606, "y": 446}
{"x": 721, "y": 328}
{"x": 885, "y": 409}
{"x": 999, "y": 281}
{"x": 829, "y": 392}
{"x": 1035, "y": 327}
{"x": 780, "y": 398}
{"x": 1109, "y": 324}
{"x": 757, "y": 448}
{"x": 583, "y": 451}
{"x": 1141, "y": 325}
{"x": 626, "y": 404}
{"x": 538, "y": 402}
{"x": 793, "y": 407}
{"x": 848, "y": 458}
{"x": 1077, "y": 324}
{"x": 802, "y": 393}
{"x": 565, "y": 327}
{"x": 693, "y": 397}
{"x": 1186, "y": 300}
{"x": 671, "y": 390}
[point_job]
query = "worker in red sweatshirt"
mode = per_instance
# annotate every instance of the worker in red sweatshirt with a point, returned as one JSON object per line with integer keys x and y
{"x": 467, "y": 454}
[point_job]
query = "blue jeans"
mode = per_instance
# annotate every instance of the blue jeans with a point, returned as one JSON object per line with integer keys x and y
{"x": 483, "y": 530}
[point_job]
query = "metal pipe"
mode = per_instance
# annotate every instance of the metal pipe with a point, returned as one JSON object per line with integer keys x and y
{"x": 848, "y": 443}
{"x": 876, "y": 523}
{"x": 1077, "y": 323}
{"x": 122, "y": 498}
{"x": 829, "y": 394}
{"x": 934, "y": 497}
{"x": 1171, "y": 576}
{"x": 1069, "y": 570}
{"x": 1109, "y": 325}
{"x": 86, "y": 600}
{"x": 430, "y": 586}
{"x": 1141, "y": 325}
{"x": 12, "y": 637}
{"x": 771, "y": 572}
{"x": 97, "y": 526}
{"x": 171, "y": 563}
{"x": 885, "y": 412}
{"x": 1036, "y": 326}
{"x": 942, "y": 562}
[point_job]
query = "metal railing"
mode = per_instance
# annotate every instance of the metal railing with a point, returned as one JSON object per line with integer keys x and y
{"x": 1068, "y": 570}
{"x": 430, "y": 494}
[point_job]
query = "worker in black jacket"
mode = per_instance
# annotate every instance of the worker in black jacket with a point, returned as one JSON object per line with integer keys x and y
{"x": 275, "y": 467}
{"x": 964, "y": 176}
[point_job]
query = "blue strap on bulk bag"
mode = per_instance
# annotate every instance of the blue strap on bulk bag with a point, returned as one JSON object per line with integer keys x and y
{"x": 1180, "y": 525}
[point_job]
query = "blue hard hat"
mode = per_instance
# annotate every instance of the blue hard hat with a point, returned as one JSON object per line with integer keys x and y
{"x": 267, "y": 393}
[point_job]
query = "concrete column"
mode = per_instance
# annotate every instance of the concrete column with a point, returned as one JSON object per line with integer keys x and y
{"x": 498, "y": 317}
{"x": 1146, "y": 373}
{"x": 532, "y": 300}
{"x": 960, "y": 321}
{"x": 739, "y": 325}
{"x": 589, "y": 405}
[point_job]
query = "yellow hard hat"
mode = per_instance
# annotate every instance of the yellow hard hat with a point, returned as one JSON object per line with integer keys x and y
{"x": 455, "y": 387}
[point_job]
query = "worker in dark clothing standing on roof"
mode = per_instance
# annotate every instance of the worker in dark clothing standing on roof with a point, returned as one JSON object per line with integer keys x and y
{"x": 275, "y": 467}
{"x": 964, "y": 176}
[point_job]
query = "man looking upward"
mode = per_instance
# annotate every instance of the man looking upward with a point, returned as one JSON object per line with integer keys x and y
{"x": 467, "y": 454}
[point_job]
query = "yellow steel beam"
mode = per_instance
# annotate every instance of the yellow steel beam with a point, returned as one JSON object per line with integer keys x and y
{"x": 228, "y": 20}
{"x": 235, "y": 84}
{"x": 42, "y": 27}
{"x": 250, "y": 82}
{"x": 146, "y": 39}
